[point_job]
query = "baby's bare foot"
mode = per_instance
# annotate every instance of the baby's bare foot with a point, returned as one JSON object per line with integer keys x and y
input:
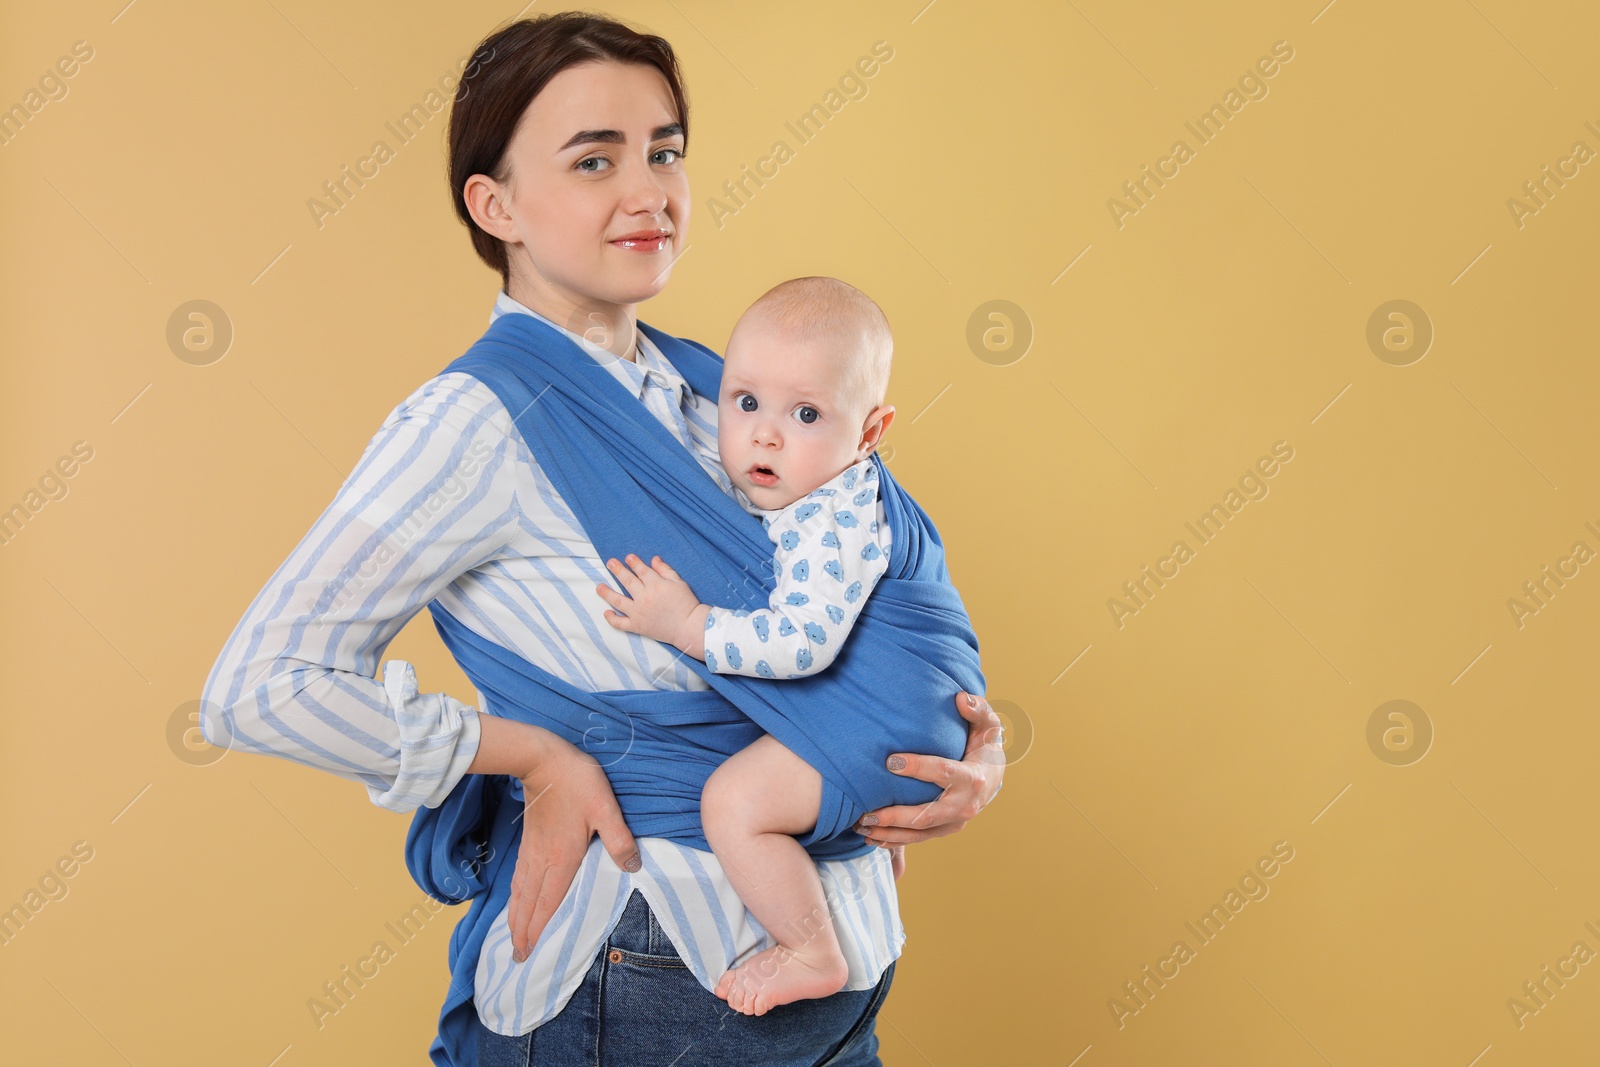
{"x": 781, "y": 975}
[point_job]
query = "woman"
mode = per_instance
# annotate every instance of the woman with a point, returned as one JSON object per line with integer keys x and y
{"x": 566, "y": 145}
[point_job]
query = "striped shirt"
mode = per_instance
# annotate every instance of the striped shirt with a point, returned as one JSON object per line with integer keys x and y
{"x": 447, "y": 503}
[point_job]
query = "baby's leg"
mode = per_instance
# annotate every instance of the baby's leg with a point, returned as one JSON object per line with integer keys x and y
{"x": 751, "y": 805}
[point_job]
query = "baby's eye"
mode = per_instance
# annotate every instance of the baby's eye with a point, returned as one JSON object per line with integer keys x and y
{"x": 808, "y": 419}
{"x": 740, "y": 401}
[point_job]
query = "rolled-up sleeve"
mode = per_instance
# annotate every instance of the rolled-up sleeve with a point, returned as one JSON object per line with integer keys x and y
{"x": 431, "y": 499}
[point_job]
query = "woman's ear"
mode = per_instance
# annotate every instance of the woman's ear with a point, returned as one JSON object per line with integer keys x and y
{"x": 876, "y": 426}
{"x": 486, "y": 201}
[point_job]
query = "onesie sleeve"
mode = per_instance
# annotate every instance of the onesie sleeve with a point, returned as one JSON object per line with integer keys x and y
{"x": 831, "y": 547}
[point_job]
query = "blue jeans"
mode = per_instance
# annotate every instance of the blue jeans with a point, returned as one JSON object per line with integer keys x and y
{"x": 641, "y": 1006}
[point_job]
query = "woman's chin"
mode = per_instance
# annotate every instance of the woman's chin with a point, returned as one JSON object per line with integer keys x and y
{"x": 641, "y": 290}
{"x": 649, "y": 274}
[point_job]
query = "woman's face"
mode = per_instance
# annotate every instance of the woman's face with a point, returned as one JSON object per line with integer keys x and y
{"x": 596, "y": 207}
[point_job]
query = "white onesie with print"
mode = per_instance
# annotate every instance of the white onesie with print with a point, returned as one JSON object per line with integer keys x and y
{"x": 832, "y": 547}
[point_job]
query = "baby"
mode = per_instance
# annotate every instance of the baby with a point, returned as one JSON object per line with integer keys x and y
{"x": 801, "y": 411}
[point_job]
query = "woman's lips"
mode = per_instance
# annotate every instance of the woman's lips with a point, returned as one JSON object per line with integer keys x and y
{"x": 647, "y": 243}
{"x": 762, "y": 478}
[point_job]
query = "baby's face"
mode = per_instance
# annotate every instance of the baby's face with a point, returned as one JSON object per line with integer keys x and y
{"x": 784, "y": 408}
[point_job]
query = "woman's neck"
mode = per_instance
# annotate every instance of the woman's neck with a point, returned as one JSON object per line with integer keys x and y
{"x": 610, "y": 326}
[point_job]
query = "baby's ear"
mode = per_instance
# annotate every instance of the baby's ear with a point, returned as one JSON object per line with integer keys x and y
{"x": 877, "y": 426}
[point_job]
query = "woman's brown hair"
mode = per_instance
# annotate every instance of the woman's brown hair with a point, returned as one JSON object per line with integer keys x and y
{"x": 508, "y": 69}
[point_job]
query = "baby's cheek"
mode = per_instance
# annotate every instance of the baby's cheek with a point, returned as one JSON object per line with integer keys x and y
{"x": 819, "y": 461}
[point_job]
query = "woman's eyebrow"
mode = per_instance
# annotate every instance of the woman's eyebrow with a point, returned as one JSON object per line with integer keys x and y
{"x": 660, "y": 133}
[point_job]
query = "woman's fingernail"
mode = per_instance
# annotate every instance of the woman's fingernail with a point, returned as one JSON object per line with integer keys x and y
{"x": 859, "y": 829}
{"x": 897, "y": 763}
{"x": 972, "y": 702}
{"x": 633, "y": 864}
{"x": 869, "y": 820}
{"x": 519, "y": 955}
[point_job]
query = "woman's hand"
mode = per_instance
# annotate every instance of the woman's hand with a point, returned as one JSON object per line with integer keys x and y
{"x": 567, "y": 800}
{"x": 969, "y": 785}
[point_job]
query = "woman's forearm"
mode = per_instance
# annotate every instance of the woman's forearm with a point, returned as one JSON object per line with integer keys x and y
{"x": 506, "y": 746}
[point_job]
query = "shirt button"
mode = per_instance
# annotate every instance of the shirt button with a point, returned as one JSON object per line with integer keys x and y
{"x": 615, "y": 955}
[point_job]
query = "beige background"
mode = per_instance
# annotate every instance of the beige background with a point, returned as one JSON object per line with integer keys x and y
{"x": 1156, "y": 761}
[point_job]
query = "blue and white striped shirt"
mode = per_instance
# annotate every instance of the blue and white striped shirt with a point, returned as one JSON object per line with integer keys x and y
{"x": 447, "y": 503}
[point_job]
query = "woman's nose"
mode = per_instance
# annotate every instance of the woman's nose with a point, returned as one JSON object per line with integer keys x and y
{"x": 645, "y": 192}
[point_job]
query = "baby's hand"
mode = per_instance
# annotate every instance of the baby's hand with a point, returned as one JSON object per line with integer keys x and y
{"x": 659, "y": 604}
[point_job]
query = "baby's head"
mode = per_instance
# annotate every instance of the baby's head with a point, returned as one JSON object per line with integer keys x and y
{"x": 803, "y": 384}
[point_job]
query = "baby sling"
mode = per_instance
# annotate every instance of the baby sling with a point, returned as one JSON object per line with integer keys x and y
{"x": 634, "y": 488}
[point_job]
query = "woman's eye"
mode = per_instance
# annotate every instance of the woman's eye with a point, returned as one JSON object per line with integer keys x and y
{"x": 677, "y": 154}
{"x": 740, "y": 401}
{"x": 807, "y": 414}
{"x": 592, "y": 159}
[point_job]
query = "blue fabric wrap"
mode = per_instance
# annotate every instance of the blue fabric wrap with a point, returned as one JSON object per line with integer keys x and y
{"x": 634, "y": 488}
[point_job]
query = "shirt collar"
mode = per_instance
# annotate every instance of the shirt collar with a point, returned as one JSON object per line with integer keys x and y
{"x": 650, "y": 365}
{"x": 655, "y": 365}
